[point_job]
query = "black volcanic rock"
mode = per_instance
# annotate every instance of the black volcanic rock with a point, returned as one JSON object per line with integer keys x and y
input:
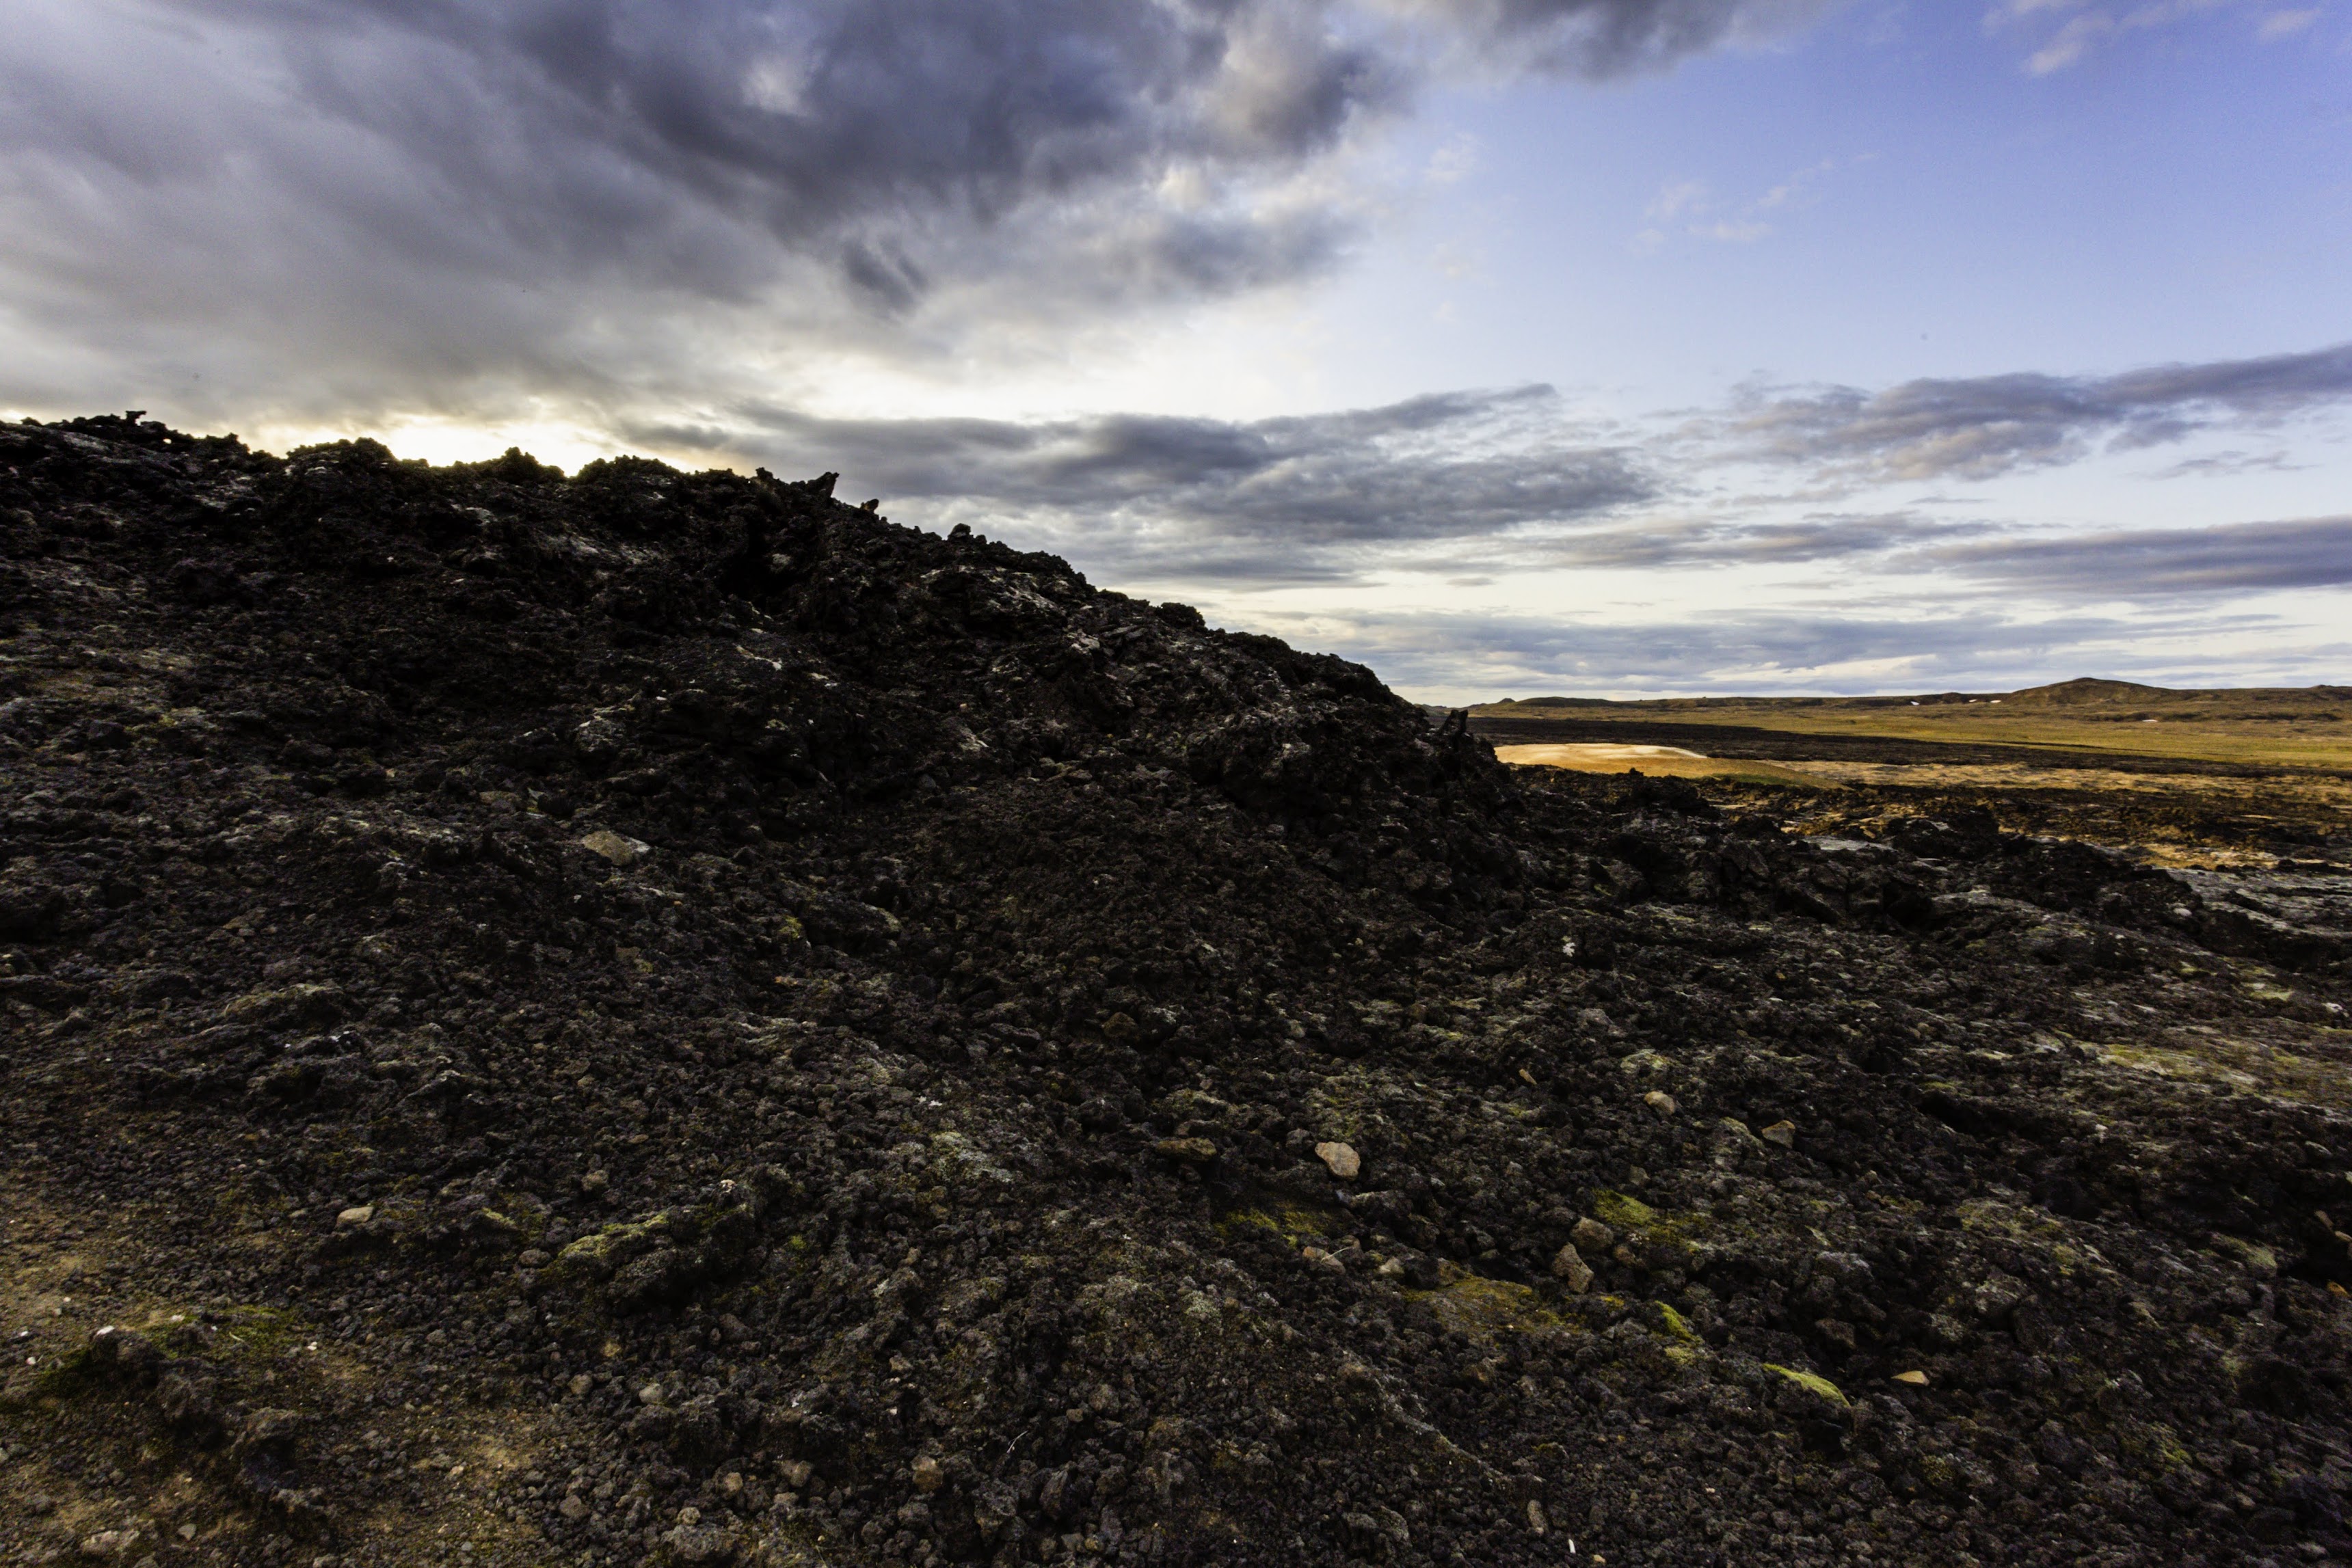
{"x": 651, "y": 1017}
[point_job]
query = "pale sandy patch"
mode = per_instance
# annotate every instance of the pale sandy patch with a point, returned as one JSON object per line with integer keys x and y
{"x": 1657, "y": 762}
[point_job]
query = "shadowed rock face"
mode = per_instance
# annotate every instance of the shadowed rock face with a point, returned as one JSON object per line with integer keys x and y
{"x": 660, "y": 1017}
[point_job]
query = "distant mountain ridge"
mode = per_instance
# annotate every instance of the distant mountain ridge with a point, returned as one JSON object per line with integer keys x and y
{"x": 2084, "y": 691}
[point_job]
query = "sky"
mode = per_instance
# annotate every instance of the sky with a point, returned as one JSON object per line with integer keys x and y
{"x": 1514, "y": 346}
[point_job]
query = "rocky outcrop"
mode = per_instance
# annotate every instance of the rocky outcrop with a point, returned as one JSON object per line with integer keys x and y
{"x": 869, "y": 1048}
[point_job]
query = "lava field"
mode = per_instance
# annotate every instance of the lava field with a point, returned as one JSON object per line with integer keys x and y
{"x": 651, "y": 1018}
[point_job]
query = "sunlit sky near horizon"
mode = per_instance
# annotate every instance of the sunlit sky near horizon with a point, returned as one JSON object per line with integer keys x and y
{"x": 1514, "y": 346}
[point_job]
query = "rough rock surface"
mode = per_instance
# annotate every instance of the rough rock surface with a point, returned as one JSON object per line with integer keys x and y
{"x": 660, "y": 1018}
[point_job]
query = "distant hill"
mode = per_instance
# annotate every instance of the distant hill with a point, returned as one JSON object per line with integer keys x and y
{"x": 2084, "y": 691}
{"x": 2087, "y": 690}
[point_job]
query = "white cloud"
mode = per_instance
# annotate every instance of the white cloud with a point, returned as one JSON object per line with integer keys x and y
{"x": 1692, "y": 208}
{"x": 1675, "y": 200}
{"x": 2083, "y": 26}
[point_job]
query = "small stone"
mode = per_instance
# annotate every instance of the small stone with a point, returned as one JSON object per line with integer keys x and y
{"x": 1660, "y": 1102}
{"x": 928, "y": 1475}
{"x": 1536, "y": 1520}
{"x": 1568, "y": 1266}
{"x": 1315, "y": 1256}
{"x": 1837, "y": 1333}
{"x": 1917, "y": 1379}
{"x": 617, "y": 848}
{"x": 1189, "y": 1151}
{"x": 1998, "y": 1296}
{"x": 2256, "y": 1259}
{"x": 1591, "y": 1235}
{"x": 1782, "y": 1133}
{"x": 794, "y": 1473}
{"x": 593, "y": 1183}
{"x": 359, "y": 1214}
{"x": 1339, "y": 1159}
{"x": 692, "y": 1543}
{"x": 108, "y": 1543}
{"x": 581, "y": 1384}
{"x": 573, "y": 1507}
{"x": 651, "y": 1394}
{"x": 132, "y": 1353}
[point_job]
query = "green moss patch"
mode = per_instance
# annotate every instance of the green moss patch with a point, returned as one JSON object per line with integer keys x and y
{"x": 1483, "y": 1308}
{"x": 1811, "y": 1381}
{"x": 1624, "y": 1212}
{"x": 1285, "y": 1218}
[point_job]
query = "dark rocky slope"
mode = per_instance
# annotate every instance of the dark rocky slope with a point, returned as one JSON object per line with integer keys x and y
{"x": 661, "y": 1018}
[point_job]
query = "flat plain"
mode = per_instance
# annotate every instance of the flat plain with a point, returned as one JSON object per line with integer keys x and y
{"x": 2308, "y": 726}
{"x": 2210, "y": 778}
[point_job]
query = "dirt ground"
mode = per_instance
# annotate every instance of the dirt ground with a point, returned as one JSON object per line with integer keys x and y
{"x": 644, "y": 1019}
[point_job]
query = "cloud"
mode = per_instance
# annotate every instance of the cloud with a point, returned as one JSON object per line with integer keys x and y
{"x": 382, "y": 167}
{"x": 332, "y": 209}
{"x": 2231, "y": 558}
{"x": 1982, "y": 427}
{"x": 1655, "y": 543}
{"x": 1690, "y": 206}
{"x": 2286, "y": 24}
{"x": 1283, "y": 499}
{"x": 1678, "y": 198}
{"x": 1602, "y": 38}
{"x": 2224, "y": 465}
{"x": 1460, "y": 485}
{"x": 1463, "y": 656}
{"x": 2084, "y": 26}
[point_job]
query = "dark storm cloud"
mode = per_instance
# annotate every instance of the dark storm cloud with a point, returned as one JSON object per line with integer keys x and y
{"x": 307, "y": 212}
{"x": 1283, "y": 496}
{"x": 1986, "y": 425}
{"x": 327, "y": 212}
{"x": 2238, "y": 557}
{"x": 692, "y": 146}
{"x": 819, "y": 121}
